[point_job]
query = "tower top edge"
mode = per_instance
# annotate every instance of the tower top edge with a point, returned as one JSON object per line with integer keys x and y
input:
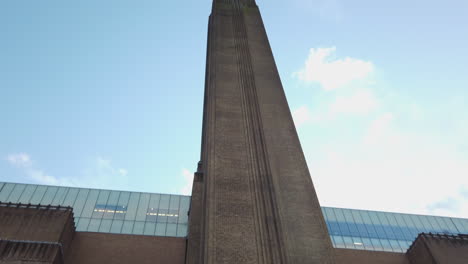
{"x": 234, "y": 3}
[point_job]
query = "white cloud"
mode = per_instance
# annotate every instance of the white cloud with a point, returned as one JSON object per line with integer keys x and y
{"x": 103, "y": 173}
{"x": 358, "y": 103}
{"x": 386, "y": 157}
{"x": 42, "y": 178}
{"x": 379, "y": 130}
{"x": 331, "y": 73}
{"x": 188, "y": 178}
{"x": 392, "y": 169}
{"x": 24, "y": 162}
{"x": 19, "y": 159}
{"x": 123, "y": 172}
{"x": 301, "y": 115}
{"x": 361, "y": 102}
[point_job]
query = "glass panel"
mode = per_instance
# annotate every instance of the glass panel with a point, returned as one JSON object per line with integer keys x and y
{"x": 367, "y": 244}
{"x": 329, "y": 214}
{"x": 332, "y": 224}
{"x": 142, "y": 207}
{"x": 27, "y": 194}
{"x": 171, "y": 230}
{"x": 395, "y": 245}
{"x": 111, "y": 206}
{"x": 397, "y": 231}
{"x": 132, "y": 206}
{"x": 339, "y": 243}
{"x": 385, "y": 225}
{"x": 80, "y": 202}
{"x": 342, "y": 223}
{"x": 378, "y": 226}
{"x": 461, "y": 225}
{"x": 105, "y": 225}
{"x": 443, "y": 228}
{"x": 404, "y": 227}
{"x": 453, "y": 229}
{"x": 116, "y": 226}
{"x": 386, "y": 245}
{"x": 83, "y": 224}
{"x": 94, "y": 225}
{"x": 161, "y": 229}
{"x": 181, "y": 230}
{"x": 403, "y": 245}
{"x": 138, "y": 228}
{"x": 101, "y": 202}
{"x": 153, "y": 207}
{"x": 369, "y": 225}
{"x": 183, "y": 210}
{"x": 348, "y": 241}
{"x": 414, "y": 228}
{"x": 122, "y": 206}
{"x": 90, "y": 204}
{"x": 465, "y": 224}
{"x": 350, "y": 221}
{"x": 163, "y": 208}
{"x": 332, "y": 240}
{"x": 1, "y": 186}
{"x": 359, "y": 223}
{"x": 71, "y": 197}
{"x": 376, "y": 244}
{"x": 60, "y": 196}
{"x": 16, "y": 193}
{"x": 358, "y": 243}
{"x": 174, "y": 202}
{"x": 6, "y": 190}
{"x": 38, "y": 194}
{"x": 150, "y": 228}
{"x": 50, "y": 195}
{"x": 428, "y": 227}
{"x": 127, "y": 227}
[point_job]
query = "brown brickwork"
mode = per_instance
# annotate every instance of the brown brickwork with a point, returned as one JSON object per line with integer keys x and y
{"x": 351, "y": 256}
{"x": 100, "y": 248}
{"x": 16, "y": 252}
{"x": 439, "y": 249}
{"x": 258, "y": 203}
{"x": 31, "y": 233}
{"x": 194, "y": 232}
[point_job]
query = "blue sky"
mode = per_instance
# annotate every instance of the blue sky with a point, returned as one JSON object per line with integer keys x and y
{"x": 108, "y": 94}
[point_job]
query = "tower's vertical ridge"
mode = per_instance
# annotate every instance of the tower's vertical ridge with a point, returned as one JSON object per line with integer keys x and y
{"x": 253, "y": 200}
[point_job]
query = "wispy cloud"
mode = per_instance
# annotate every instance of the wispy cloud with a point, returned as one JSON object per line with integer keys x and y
{"x": 103, "y": 173}
{"x": 301, "y": 115}
{"x": 24, "y": 162}
{"x": 448, "y": 205}
{"x": 123, "y": 172}
{"x": 188, "y": 182}
{"x": 19, "y": 160}
{"x": 322, "y": 67}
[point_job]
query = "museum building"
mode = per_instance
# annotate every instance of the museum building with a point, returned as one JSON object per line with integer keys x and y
{"x": 253, "y": 200}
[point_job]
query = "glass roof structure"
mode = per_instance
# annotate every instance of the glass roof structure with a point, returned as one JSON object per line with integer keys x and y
{"x": 154, "y": 214}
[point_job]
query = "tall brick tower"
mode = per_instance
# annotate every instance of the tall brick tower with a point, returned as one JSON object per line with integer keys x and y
{"x": 253, "y": 200}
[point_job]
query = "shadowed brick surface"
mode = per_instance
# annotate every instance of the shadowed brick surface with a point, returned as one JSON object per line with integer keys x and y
{"x": 99, "y": 248}
{"x": 439, "y": 249}
{"x": 33, "y": 233}
{"x": 350, "y": 256}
